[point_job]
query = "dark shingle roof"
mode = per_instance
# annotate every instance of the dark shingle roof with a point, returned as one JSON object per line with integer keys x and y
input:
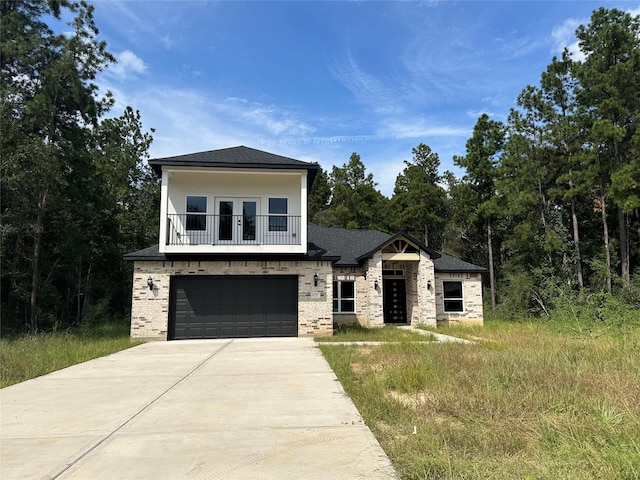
{"x": 447, "y": 263}
{"x": 345, "y": 245}
{"x": 234, "y": 157}
{"x": 342, "y": 246}
{"x": 146, "y": 254}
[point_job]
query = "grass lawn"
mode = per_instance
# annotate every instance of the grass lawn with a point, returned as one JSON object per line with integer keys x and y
{"x": 28, "y": 357}
{"x": 356, "y": 333}
{"x": 527, "y": 401}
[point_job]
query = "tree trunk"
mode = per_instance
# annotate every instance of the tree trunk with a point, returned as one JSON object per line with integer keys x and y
{"x": 576, "y": 243}
{"x": 624, "y": 246}
{"x": 492, "y": 279}
{"x": 605, "y": 228}
{"x": 37, "y": 245}
{"x": 543, "y": 208}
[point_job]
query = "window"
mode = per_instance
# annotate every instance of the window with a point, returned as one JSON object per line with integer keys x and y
{"x": 278, "y": 209}
{"x": 344, "y": 296}
{"x": 196, "y": 213}
{"x": 452, "y": 296}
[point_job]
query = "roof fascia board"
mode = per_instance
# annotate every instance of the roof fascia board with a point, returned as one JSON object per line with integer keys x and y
{"x": 238, "y": 170}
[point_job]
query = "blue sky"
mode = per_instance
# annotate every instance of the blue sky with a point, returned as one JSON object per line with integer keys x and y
{"x": 320, "y": 80}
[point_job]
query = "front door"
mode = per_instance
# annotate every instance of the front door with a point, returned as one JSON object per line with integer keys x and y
{"x": 394, "y": 300}
{"x": 237, "y": 221}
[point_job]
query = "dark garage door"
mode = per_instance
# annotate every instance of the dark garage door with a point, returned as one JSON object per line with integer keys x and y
{"x": 233, "y": 306}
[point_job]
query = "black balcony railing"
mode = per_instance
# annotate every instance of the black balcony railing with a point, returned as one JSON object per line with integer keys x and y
{"x": 202, "y": 229}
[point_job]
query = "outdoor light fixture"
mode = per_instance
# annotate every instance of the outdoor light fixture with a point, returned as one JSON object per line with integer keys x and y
{"x": 315, "y": 279}
{"x": 150, "y": 283}
{"x": 428, "y": 284}
{"x": 375, "y": 284}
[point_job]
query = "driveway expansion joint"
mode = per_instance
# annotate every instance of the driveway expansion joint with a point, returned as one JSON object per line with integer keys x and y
{"x": 139, "y": 412}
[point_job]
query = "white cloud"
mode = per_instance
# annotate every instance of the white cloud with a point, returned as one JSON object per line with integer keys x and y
{"x": 366, "y": 88}
{"x": 563, "y": 36}
{"x": 273, "y": 119}
{"x": 422, "y": 128}
{"x": 128, "y": 65}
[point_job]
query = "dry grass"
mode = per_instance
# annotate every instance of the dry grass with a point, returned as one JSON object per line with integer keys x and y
{"x": 527, "y": 402}
{"x": 28, "y": 357}
{"x": 390, "y": 333}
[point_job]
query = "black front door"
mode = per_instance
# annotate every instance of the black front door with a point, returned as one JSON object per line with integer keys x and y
{"x": 395, "y": 300}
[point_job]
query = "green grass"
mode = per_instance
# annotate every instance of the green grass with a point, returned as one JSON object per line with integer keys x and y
{"x": 28, "y": 357}
{"x": 527, "y": 401}
{"x": 356, "y": 333}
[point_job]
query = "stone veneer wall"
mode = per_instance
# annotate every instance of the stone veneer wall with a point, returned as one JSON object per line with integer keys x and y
{"x": 375, "y": 311}
{"x": 472, "y": 299}
{"x": 356, "y": 274}
{"x": 421, "y": 302}
{"x": 150, "y": 309}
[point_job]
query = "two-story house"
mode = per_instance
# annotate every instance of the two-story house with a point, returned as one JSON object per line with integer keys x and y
{"x": 237, "y": 257}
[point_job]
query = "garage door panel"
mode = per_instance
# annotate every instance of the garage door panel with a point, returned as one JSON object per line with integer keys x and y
{"x": 233, "y": 306}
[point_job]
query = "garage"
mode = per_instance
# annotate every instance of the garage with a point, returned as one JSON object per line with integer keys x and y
{"x": 217, "y": 306}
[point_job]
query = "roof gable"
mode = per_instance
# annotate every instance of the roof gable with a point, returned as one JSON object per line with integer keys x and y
{"x": 398, "y": 238}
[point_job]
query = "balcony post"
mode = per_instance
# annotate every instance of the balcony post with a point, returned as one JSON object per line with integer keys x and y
{"x": 164, "y": 199}
{"x": 303, "y": 210}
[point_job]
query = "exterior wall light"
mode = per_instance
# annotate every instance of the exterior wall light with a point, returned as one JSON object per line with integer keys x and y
{"x": 428, "y": 284}
{"x": 150, "y": 283}
{"x": 375, "y": 284}
{"x": 315, "y": 279}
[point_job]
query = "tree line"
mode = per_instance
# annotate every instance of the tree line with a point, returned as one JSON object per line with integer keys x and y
{"x": 549, "y": 202}
{"x": 76, "y": 191}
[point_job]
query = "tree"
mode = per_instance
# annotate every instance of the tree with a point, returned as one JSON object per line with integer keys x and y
{"x": 49, "y": 105}
{"x": 564, "y": 119}
{"x": 610, "y": 88}
{"x": 319, "y": 196}
{"x": 355, "y": 202}
{"x": 419, "y": 203}
{"x": 76, "y": 193}
{"x": 481, "y": 162}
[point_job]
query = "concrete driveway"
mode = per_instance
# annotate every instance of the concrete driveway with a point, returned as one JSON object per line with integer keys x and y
{"x": 215, "y": 409}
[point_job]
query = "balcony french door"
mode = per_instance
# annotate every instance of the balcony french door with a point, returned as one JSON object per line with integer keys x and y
{"x": 236, "y": 220}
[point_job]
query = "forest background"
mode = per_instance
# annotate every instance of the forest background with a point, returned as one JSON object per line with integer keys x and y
{"x": 550, "y": 202}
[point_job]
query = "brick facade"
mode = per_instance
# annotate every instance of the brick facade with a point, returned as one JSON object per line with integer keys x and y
{"x": 425, "y": 303}
{"x": 472, "y": 299}
{"x": 150, "y": 308}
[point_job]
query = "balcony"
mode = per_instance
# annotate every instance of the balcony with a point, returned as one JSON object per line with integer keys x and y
{"x": 251, "y": 232}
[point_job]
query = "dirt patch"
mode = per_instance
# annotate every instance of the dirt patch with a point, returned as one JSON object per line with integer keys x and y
{"x": 412, "y": 400}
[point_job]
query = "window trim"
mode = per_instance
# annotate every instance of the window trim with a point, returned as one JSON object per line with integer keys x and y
{"x": 445, "y": 298}
{"x": 189, "y": 214}
{"x": 275, "y": 228}
{"x": 339, "y": 298}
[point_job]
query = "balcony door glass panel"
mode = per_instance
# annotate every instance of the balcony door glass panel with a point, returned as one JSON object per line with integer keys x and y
{"x": 249, "y": 220}
{"x": 225, "y": 221}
